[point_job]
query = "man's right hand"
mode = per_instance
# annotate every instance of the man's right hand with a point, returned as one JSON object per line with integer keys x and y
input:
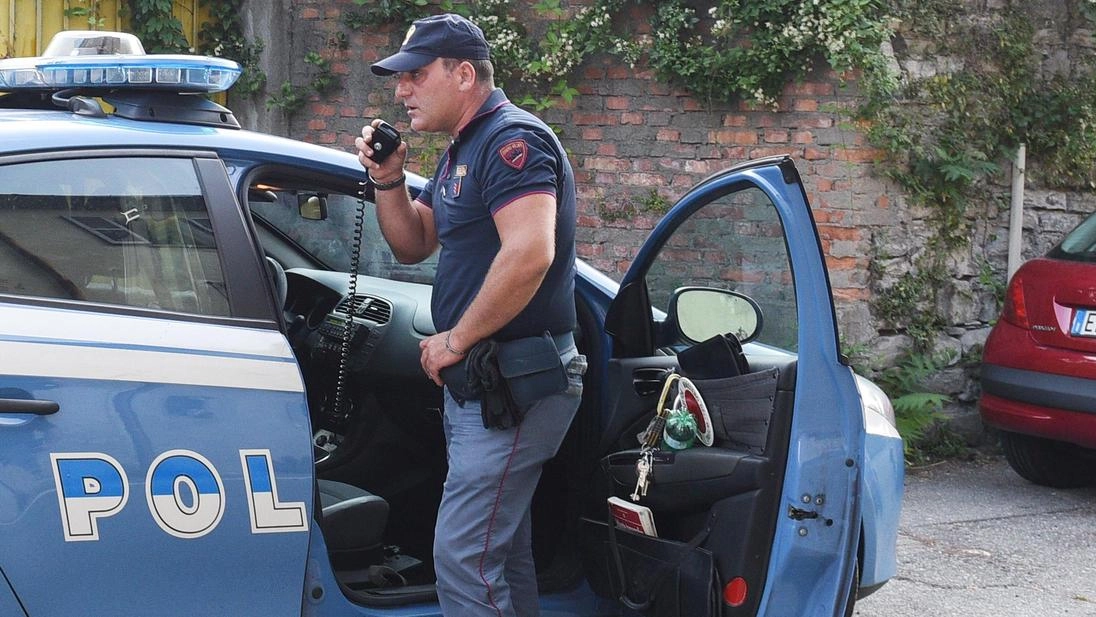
{"x": 392, "y": 166}
{"x": 407, "y": 225}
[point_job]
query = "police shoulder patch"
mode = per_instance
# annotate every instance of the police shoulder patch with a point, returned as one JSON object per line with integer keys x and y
{"x": 514, "y": 153}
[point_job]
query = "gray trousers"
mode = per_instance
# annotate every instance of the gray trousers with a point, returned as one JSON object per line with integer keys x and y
{"x": 483, "y": 549}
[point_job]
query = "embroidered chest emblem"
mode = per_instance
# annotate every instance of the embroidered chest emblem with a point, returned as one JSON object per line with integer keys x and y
{"x": 514, "y": 153}
{"x": 460, "y": 173}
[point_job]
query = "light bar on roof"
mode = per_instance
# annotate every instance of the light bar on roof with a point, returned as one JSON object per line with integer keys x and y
{"x": 93, "y": 43}
{"x": 88, "y": 60}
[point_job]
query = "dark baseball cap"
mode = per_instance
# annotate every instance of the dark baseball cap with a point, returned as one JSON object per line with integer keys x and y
{"x": 437, "y": 36}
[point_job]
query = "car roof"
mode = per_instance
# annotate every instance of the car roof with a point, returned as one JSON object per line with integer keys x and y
{"x": 36, "y": 130}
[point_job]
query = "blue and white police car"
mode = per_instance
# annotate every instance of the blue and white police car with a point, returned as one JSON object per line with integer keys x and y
{"x": 203, "y": 412}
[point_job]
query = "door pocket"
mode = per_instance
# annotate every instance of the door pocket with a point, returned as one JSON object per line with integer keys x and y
{"x": 653, "y": 576}
{"x": 741, "y": 409}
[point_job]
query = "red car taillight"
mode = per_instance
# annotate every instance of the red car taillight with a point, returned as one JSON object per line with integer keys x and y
{"x": 1015, "y": 309}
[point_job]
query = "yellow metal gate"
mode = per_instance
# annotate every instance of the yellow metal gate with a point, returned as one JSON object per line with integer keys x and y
{"x": 26, "y": 26}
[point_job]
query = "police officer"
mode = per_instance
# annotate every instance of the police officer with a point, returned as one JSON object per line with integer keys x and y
{"x": 501, "y": 205}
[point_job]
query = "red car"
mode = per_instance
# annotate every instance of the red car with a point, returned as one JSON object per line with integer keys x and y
{"x": 1039, "y": 365}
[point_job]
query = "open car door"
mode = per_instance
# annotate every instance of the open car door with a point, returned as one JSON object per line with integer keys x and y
{"x": 765, "y": 520}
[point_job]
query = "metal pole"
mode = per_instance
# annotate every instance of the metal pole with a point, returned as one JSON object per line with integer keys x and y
{"x": 1016, "y": 212}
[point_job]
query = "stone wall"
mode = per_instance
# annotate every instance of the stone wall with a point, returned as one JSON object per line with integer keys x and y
{"x": 637, "y": 144}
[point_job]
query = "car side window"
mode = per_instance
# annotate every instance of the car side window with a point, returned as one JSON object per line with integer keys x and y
{"x": 736, "y": 242}
{"x": 131, "y": 231}
{"x": 330, "y": 238}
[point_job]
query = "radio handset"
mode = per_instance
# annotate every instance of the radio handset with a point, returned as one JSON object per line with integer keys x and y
{"x": 385, "y": 141}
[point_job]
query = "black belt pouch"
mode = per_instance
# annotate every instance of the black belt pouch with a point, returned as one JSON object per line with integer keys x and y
{"x": 455, "y": 377}
{"x": 532, "y": 369}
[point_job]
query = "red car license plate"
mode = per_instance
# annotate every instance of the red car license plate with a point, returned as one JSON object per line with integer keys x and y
{"x": 1084, "y": 323}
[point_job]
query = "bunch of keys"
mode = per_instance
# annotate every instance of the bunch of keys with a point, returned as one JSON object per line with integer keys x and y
{"x": 653, "y": 433}
{"x": 643, "y": 472}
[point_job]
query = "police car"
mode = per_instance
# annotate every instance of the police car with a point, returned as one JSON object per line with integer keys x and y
{"x": 203, "y": 412}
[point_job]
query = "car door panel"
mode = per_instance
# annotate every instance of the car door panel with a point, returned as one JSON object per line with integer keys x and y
{"x": 687, "y": 479}
{"x": 9, "y": 604}
{"x": 753, "y": 414}
{"x": 737, "y": 489}
{"x": 784, "y": 511}
{"x": 634, "y": 385}
{"x": 813, "y": 557}
{"x": 180, "y": 440}
{"x": 123, "y": 405}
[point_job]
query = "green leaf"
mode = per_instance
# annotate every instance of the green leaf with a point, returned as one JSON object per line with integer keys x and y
{"x": 919, "y": 404}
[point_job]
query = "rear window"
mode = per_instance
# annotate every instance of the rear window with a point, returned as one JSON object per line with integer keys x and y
{"x": 1079, "y": 244}
{"x": 131, "y": 231}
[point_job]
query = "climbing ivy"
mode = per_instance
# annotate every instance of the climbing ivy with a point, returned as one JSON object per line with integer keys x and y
{"x": 754, "y": 46}
{"x": 156, "y": 25}
{"x": 91, "y": 10}
{"x": 223, "y": 36}
{"x": 757, "y": 46}
{"x": 947, "y": 134}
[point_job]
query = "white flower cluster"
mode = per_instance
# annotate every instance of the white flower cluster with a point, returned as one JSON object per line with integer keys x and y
{"x": 500, "y": 29}
{"x": 600, "y": 21}
{"x": 764, "y": 100}
{"x": 506, "y": 42}
{"x": 695, "y": 41}
{"x": 814, "y": 24}
{"x": 721, "y": 26}
{"x": 561, "y": 60}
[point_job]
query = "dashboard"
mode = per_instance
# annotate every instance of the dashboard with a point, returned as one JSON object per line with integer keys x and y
{"x": 359, "y": 354}
{"x": 390, "y": 317}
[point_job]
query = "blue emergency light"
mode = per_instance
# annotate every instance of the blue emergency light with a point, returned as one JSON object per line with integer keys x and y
{"x": 109, "y": 60}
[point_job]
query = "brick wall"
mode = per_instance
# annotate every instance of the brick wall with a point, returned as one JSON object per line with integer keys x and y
{"x": 636, "y": 143}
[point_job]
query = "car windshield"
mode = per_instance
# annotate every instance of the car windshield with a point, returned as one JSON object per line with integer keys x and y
{"x": 330, "y": 238}
{"x": 1079, "y": 244}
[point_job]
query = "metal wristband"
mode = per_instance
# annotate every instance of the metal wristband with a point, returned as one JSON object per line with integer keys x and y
{"x": 388, "y": 186}
{"x": 450, "y": 347}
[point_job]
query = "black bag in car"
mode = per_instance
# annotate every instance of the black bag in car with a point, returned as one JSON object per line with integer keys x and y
{"x": 655, "y": 577}
{"x": 719, "y": 356}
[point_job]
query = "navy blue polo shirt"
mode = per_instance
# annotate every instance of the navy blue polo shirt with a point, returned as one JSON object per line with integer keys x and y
{"x": 504, "y": 153}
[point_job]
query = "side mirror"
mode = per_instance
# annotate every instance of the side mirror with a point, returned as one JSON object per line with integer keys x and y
{"x": 312, "y": 206}
{"x": 700, "y": 313}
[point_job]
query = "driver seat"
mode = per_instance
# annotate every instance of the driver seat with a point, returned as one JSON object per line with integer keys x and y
{"x": 353, "y": 525}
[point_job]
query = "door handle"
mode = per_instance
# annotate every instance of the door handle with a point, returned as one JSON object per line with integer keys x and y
{"x": 36, "y": 407}
{"x": 647, "y": 381}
